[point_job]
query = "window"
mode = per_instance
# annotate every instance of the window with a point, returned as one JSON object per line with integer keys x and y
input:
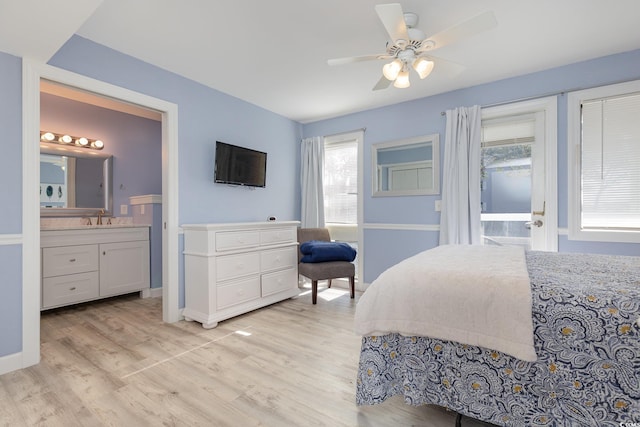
{"x": 604, "y": 163}
{"x": 340, "y": 179}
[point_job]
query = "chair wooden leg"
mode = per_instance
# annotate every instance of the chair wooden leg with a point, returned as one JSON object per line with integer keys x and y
{"x": 329, "y": 280}
{"x": 314, "y": 291}
{"x": 352, "y": 286}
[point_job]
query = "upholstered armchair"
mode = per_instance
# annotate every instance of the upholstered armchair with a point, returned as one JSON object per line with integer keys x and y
{"x": 323, "y": 270}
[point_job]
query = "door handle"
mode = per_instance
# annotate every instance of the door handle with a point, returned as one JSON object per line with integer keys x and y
{"x": 537, "y": 223}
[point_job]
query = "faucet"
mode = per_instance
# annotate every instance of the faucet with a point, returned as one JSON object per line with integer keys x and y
{"x": 100, "y": 214}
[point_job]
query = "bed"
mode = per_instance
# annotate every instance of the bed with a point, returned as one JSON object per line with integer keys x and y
{"x": 584, "y": 325}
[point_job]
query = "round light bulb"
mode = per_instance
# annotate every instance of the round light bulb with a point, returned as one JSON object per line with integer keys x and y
{"x": 391, "y": 70}
{"x": 402, "y": 82}
{"x": 98, "y": 144}
{"x": 66, "y": 139}
{"x": 47, "y": 136}
{"x": 82, "y": 141}
{"x": 423, "y": 67}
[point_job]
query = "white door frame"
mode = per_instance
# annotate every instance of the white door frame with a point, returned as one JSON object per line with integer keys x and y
{"x": 548, "y": 107}
{"x": 32, "y": 72}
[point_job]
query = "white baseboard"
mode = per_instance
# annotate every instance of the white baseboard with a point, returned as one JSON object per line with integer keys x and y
{"x": 11, "y": 362}
{"x": 151, "y": 293}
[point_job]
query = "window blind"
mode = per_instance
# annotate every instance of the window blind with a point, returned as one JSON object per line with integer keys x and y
{"x": 610, "y": 162}
{"x": 340, "y": 180}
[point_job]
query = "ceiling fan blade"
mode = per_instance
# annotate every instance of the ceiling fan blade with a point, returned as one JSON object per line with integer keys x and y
{"x": 383, "y": 83}
{"x": 392, "y": 18}
{"x": 452, "y": 68}
{"x": 351, "y": 59}
{"x": 483, "y": 22}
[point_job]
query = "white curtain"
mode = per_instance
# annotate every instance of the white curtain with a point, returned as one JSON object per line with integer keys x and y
{"x": 460, "y": 215}
{"x": 311, "y": 167}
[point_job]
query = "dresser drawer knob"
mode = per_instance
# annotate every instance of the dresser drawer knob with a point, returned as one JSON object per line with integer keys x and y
{"x": 72, "y": 260}
{"x": 73, "y": 288}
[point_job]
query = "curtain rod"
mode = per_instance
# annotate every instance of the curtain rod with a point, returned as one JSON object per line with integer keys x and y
{"x": 556, "y": 93}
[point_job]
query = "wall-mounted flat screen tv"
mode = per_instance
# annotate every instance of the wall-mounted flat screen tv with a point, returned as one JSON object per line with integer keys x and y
{"x": 240, "y": 166}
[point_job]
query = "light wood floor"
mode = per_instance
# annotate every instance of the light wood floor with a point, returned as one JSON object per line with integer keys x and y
{"x": 115, "y": 363}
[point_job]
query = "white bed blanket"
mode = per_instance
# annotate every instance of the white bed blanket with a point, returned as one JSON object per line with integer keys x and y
{"x": 476, "y": 295}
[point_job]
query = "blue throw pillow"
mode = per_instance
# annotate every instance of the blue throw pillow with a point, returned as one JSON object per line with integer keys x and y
{"x": 321, "y": 251}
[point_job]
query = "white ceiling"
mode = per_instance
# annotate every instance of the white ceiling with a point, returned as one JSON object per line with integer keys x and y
{"x": 274, "y": 53}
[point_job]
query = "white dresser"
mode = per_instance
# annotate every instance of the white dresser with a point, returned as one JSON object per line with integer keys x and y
{"x": 231, "y": 269}
{"x": 84, "y": 264}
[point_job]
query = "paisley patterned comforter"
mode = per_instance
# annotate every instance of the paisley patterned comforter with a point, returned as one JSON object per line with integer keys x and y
{"x": 586, "y": 311}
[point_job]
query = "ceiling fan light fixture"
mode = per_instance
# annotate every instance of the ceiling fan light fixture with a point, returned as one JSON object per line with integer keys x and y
{"x": 392, "y": 69}
{"x": 402, "y": 81}
{"x": 423, "y": 66}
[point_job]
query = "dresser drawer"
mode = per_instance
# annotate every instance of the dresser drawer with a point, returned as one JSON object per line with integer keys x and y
{"x": 284, "y": 280}
{"x": 63, "y": 290}
{"x": 278, "y": 259}
{"x": 232, "y": 266}
{"x": 61, "y": 260}
{"x": 279, "y": 235}
{"x": 238, "y": 292}
{"x": 230, "y": 240}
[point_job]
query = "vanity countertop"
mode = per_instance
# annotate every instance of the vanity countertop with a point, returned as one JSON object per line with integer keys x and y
{"x": 89, "y": 227}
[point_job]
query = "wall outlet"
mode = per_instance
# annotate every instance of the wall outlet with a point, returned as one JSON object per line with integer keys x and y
{"x": 141, "y": 209}
{"x": 438, "y": 205}
{"x": 124, "y": 209}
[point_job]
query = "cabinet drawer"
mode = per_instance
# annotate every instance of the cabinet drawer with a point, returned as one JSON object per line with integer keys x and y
{"x": 272, "y": 283}
{"x": 232, "y": 266}
{"x": 238, "y": 292}
{"x": 63, "y": 290}
{"x": 277, "y": 259}
{"x": 62, "y": 260}
{"x": 279, "y": 235}
{"x": 229, "y": 240}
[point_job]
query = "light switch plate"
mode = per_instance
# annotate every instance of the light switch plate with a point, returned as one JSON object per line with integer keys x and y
{"x": 438, "y": 205}
{"x": 124, "y": 209}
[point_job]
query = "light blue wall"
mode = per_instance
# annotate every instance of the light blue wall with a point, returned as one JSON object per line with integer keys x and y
{"x": 205, "y": 115}
{"x": 11, "y": 210}
{"x": 423, "y": 117}
{"x": 11, "y": 142}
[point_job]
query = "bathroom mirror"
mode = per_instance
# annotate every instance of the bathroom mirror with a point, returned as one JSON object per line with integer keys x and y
{"x": 407, "y": 167}
{"x": 75, "y": 183}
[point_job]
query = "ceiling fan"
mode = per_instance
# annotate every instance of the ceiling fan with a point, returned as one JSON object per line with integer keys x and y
{"x": 409, "y": 46}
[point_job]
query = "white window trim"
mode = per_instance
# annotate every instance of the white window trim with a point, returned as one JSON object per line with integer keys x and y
{"x": 574, "y": 131}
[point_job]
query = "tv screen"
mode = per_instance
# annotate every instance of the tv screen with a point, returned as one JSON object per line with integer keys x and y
{"x": 239, "y": 165}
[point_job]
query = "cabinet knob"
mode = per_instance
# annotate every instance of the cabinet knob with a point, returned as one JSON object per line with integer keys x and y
{"x": 104, "y": 252}
{"x": 72, "y": 288}
{"x": 72, "y": 260}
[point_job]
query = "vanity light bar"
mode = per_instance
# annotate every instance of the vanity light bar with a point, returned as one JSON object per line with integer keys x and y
{"x": 63, "y": 139}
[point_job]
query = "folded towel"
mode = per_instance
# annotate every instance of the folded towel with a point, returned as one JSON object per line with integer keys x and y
{"x": 321, "y": 251}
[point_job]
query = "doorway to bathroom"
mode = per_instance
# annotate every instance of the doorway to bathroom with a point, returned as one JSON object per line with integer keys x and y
{"x": 33, "y": 73}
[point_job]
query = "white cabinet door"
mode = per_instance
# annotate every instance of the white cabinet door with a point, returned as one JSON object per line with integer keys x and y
{"x": 124, "y": 267}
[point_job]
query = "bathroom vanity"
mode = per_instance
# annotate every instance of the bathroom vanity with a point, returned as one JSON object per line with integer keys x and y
{"x": 86, "y": 263}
